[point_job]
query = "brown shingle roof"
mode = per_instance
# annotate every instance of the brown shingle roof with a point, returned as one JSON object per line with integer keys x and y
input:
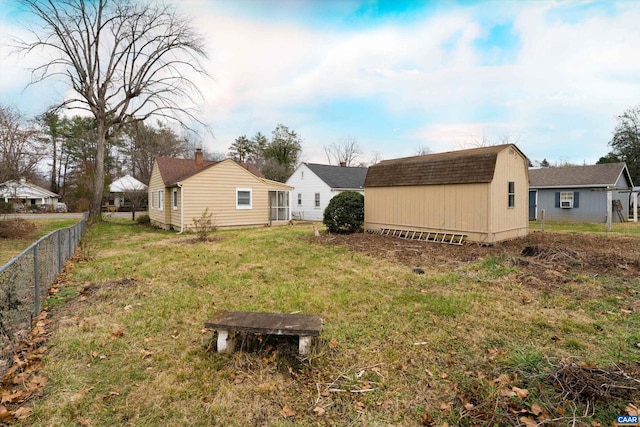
{"x": 454, "y": 167}
{"x": 174, "y": 170}
{"x": 604, "y": 175}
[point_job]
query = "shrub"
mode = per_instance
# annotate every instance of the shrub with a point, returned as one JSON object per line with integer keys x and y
{"x": 345, "y": 213}
{"x": 16, "y": 228}
{"x": 204, "y": 225}
{"x": 143, "y": 219}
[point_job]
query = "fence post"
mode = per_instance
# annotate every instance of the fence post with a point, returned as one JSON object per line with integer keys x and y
{"x": 59, "y": 251}
{"x": 36, "y": 279}
{"x": 609, "y": 209}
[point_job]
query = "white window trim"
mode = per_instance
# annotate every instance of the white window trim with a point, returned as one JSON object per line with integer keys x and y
{"x": 299, "y": 199}
{"x": 174, "y": 199}
{"x": 153, "y": 198}
{"x": 250, "y": 205}
{"x": 316, "y": 201}
{"x": 160, "y": 201}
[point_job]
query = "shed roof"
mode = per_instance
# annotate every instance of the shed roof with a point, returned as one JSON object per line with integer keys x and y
{"x": 24, "y": 190}
{"x": 603, "y": 175}
{"x": 340, "y": 176}
{"x": 475, "y": 165}
{"x": 174, "y": 170}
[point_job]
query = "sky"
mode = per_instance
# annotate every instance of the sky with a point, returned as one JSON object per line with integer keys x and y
{"x": 399, "y": 76}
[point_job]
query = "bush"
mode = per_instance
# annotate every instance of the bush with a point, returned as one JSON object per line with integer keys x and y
{"x": 16, "y": 228}
{"x": 345, "y": 213}
{"x": 143, "y": 219}
{"x": 204, "y": 225}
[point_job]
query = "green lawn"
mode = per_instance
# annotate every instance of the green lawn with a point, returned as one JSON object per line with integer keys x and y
{"x": 458, "y": 344}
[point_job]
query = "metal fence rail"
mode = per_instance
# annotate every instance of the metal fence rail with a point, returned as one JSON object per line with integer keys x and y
{"x": 25, "y": 282}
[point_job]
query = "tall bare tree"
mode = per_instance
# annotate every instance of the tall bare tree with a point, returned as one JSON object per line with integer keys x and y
{"x": 20, "y": 149}
{"x": 345, "y": 151}
{"x": 126, "y": 60}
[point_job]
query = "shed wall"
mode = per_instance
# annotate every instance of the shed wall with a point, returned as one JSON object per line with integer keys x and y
{"x": 459, "y": 208}
{"x": 509, "y": 222}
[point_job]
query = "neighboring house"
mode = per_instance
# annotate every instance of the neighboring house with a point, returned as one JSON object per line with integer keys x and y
{"x": 236, "y": 195}
{"x": 314, "y": 185}
{"x": 122, "y": 190}
{"x": 481, "y": 193}
{"x": 579, "y": 193}
{"x": 27, "y": 197}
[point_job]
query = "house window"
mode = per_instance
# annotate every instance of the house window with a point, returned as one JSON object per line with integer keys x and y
{"x": 243, "y": 198}
{"x": 566, "y": 199}
{"x": 512, "y": 194}
{"x": 299, "y": 199}
{"x": 160, "y": 192}
{"x": 317, "y": 200}
{"x": 175, "y": 198}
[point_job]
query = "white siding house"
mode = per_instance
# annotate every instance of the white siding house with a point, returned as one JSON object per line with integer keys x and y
{"x": 315, "y": 184}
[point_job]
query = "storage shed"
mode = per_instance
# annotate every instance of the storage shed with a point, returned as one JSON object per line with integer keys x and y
{"x": 480, "y": 193}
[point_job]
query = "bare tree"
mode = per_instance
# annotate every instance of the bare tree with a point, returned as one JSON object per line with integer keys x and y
{"x": 125, "y": 60}
{"x": 20, "y": 149}
{"x": 423, "y": 150}
{"x": 343, "y": 152}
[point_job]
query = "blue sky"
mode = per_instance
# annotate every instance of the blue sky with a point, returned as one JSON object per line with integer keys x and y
{"x": 400, "y": 75}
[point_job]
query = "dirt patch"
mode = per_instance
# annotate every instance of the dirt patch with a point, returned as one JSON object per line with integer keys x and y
{"x": 546, "y": 258}
{"x": 120, "y": 283}
{"x": 16, "y": 228}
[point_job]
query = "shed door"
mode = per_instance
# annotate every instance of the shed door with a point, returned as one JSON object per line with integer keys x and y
{"x": 533, "y": 205}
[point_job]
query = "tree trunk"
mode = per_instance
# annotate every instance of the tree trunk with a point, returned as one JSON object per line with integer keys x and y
{"x": 98, "y": 177}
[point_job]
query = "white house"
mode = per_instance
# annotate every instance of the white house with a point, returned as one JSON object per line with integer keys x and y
{"x": 315, "y": 184}
{"x": 27, "y": 196}
{"x": 123, "y": 187}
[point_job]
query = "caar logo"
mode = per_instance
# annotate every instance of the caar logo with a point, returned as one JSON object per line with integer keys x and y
{"x": 627, "y": 420}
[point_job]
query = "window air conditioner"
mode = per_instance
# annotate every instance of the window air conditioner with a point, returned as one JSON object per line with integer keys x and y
{"x": 566, "y": 204}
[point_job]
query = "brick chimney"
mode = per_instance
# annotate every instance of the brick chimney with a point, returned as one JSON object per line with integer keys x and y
{"x": 199, "y": 158}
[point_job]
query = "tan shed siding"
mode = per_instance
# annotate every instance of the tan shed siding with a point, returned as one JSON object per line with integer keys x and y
{"x": 513, "y": 222}
{"x": 215, "y": 188}
{"x": 155, "y": 183}
{"x": 457, "y": 208}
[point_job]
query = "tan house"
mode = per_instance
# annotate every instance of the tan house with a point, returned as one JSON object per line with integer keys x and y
{"x": 479, "y": 193}
{"x": 236, "y": 195}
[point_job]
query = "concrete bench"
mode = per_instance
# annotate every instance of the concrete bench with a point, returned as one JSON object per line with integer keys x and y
{"x": 228, "y": 323}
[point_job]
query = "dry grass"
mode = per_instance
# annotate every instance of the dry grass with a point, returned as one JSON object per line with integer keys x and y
{"x": 397, "y": 348}
{"x": 17, "y": 234}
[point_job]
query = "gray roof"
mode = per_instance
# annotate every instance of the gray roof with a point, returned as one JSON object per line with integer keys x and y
{"x": 476, "y": 165}
{"x": 604, "y": 175}
{"x": 342, "y": 177}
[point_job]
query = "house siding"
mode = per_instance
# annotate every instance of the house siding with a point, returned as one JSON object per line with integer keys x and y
{"x": 308, "y": 184}
{"x": 592, "y": 207}
{"x": 157, "y": 217}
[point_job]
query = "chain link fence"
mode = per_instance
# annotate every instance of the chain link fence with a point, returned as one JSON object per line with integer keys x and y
{"x": 25, "y": 282}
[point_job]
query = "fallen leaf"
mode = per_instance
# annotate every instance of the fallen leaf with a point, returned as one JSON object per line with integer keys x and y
{"x": 520, "y": 392}
{"x": 444, "y": 375}
{"x": 319, "y": 411}
{"x": 287, "y": 412}
{"x": 366, "y": 385}
{"x": 23, "y": 413}
{"x": 333, "y": 343}
{"x": 468, "y": 406}
{"x": 39, "y": 381}
{"x": 117, "y": 333}
{"x": 146, "y": 353}
{"x": 5, "y": 415}
{"x": 128, "y": 307}
{"x": 360, "y": 406}
{"x": 528, "y": 421}
{"x": 79, "y": 394}
{"x": 505, "y": 392}
{"x": 595, "y": 424}
{"x": 9, "y": 396}
{"x": 536, "y": 409}
{"x": 444, "y": 406}
{"x": 632, "y": 409}
{"x": 502, "y": 379}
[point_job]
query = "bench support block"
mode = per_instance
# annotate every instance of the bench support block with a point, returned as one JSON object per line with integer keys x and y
{"x": 304, "y": 345}
{"x": 226, "y": 342}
